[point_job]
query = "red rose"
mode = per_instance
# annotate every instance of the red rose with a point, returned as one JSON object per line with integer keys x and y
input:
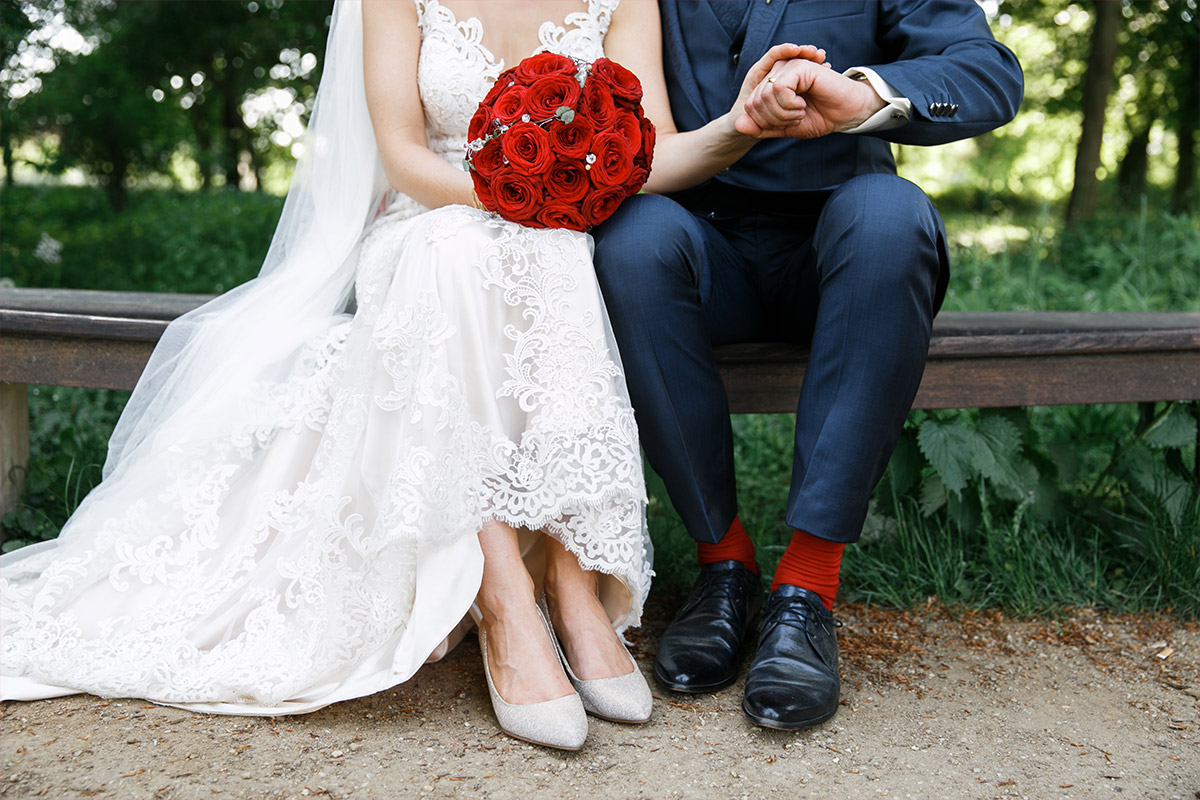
{"x": 637, "y": 179}
{"x": 625, "y": 86}
{"x": 549, "y": 94}
{"x": 601, "y": 203}
{"x": 596, "y": 103}
{"x": 527, "y": 148}
{"x": 649, "y": 137}
{"x": 571, "y": 140}
{"x": 614, "y": 160}
{"x": 505, "y": 80}
{"x": 544, "y": 64}
{"x": 483, "y": 191}
{"x": 567, "y": 181}
{"x": 511, "y": 104}
{"x": 489, "y": 159}
{"x": 481, "y": 123}
{"x": 562, "y": 215}
{"x": 515, "y": 196}
{"x": 629, "y": 126}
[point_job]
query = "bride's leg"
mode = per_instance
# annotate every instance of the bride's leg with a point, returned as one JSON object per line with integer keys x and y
{"x": 525, "y": 669}
{"x": 583, "y": 627}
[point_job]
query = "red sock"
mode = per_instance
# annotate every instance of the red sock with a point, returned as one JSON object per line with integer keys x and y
{"x": 734, "y": 546}
{"x": 811, "y": 563}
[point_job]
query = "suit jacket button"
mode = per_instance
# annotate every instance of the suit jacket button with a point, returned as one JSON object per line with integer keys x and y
{"x": 953, "y": 109}
{"x": 736, "y": 57}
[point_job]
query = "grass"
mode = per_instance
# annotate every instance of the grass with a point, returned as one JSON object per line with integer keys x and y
{"x": 1108, "y": 515}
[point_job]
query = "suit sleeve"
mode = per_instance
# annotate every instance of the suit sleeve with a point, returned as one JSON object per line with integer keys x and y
{"x": 960, "y": 80}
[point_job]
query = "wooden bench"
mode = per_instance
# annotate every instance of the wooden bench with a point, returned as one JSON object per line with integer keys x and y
{"x": 65, "y": 337}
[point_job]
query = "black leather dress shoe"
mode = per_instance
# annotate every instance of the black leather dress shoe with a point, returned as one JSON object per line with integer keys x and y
{"x": 700, "y": 648}
{"x": 793, "y": 681}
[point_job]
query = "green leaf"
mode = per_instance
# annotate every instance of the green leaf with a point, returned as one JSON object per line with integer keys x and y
{"x": 964, "y": 511}
{"x": 906, "y": 463}
{"x": 948, "y": 448}
{"x": 1177, "y": 496}
{"x": 1139, "y": 467}
{"x": 1177, "y": 428}
{"x": 1002, "y": 440}
{"x": 933, "y": 495}
{"x": 1065, "y": 456}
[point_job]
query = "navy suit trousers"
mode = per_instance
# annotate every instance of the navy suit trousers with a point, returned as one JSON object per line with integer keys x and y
{"x": 856, "y": 274}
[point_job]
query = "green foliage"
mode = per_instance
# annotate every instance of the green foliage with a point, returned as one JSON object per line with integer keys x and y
{"x": 202, "y": 242}
{"x": 158, "y": 81}
{"x": 69, "y": 430}
{"x": 103, "y": 121}
{"x": 1009, "y": 259}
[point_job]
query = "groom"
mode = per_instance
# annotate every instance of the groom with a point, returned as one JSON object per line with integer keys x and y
{"x": 809, "y": 238}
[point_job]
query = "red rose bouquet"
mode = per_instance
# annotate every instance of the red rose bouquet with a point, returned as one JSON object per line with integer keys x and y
{"x": 559, "y": 143}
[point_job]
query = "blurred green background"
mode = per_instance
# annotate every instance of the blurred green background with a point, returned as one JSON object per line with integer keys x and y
{"x": 147, "y": 145}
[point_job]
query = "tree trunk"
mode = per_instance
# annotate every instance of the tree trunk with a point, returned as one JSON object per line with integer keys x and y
{"x": 1185, "y": 130}
{"x": 1131, "y": 175}
{"x": 231, "y": 123}
{"x": 8, "y": 158}
{"x": 1096, "y": 87}
{"x": 204, "y": 156}
{"x": 114, "y": 182}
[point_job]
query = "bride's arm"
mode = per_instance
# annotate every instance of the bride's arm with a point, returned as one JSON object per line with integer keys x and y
{"x": 391, "y": 46}
{"x": 682, "y": 160}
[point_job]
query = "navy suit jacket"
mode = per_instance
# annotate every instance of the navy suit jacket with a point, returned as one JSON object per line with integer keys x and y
{"x": 939, "y": 54}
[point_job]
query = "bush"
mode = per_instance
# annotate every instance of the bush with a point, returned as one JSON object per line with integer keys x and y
{"x": 165, "y": 241}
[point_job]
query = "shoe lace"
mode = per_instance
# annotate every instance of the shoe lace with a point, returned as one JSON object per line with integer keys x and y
{"x": 717, "y": 584}
{"x": 785, "y": 611}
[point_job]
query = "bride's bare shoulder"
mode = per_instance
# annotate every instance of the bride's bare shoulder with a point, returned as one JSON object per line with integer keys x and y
{"x": 387, "y": 13}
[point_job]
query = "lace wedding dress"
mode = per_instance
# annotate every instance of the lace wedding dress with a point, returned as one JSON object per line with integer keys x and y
{"x": 326, "y": 547}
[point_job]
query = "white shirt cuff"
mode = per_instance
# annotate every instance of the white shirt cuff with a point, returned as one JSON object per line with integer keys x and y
{"x": 893, "y": 115}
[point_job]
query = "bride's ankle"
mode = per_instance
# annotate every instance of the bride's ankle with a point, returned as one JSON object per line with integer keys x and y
{"x": 502, "y": 609}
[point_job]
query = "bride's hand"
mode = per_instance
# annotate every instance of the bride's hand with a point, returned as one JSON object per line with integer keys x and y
{"x": 802, "y": 100}
{"x": 761, "y": 77}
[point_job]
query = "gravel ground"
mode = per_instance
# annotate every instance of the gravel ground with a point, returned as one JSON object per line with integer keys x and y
{"x": 933, "y": 705}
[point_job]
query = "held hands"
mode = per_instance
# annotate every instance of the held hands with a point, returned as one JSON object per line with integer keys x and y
{"x": 792, "y": 92}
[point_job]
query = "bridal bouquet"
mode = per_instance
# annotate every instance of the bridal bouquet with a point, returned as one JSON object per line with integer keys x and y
{"x": 559, "y": 143}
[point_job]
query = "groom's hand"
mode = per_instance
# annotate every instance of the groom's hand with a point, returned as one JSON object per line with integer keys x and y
{"x": 804, "y": 99}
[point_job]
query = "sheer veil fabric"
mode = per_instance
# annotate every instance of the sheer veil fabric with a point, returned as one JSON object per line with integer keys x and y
{"x": 291, "y": 497}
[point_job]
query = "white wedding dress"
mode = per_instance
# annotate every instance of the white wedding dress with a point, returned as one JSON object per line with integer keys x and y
{"x": 326, "y": 546}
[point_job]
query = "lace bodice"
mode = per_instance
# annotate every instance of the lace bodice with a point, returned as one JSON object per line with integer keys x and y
{"x": 455, "y": 70}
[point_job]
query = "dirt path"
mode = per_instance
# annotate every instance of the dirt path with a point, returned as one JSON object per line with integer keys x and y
{"x": 1086, "y": 706}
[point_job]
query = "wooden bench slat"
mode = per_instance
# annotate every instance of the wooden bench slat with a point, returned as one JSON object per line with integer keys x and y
{"x": 986, "y": 323}
{"x": 976, "y": 359}
{"x": 92, "y": 302}
{"x": 994, "y": 382}
{"x": 81, "y": 327}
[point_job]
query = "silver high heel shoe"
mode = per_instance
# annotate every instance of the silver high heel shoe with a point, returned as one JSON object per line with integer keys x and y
{"x": 560, "y": 723}
{"x": 622, "y": 698}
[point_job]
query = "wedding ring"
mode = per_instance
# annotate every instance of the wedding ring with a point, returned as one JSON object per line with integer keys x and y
{"x": 770, "y": 80}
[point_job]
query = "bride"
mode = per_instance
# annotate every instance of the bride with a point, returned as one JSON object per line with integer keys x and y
{"x": 414, "y": 418}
